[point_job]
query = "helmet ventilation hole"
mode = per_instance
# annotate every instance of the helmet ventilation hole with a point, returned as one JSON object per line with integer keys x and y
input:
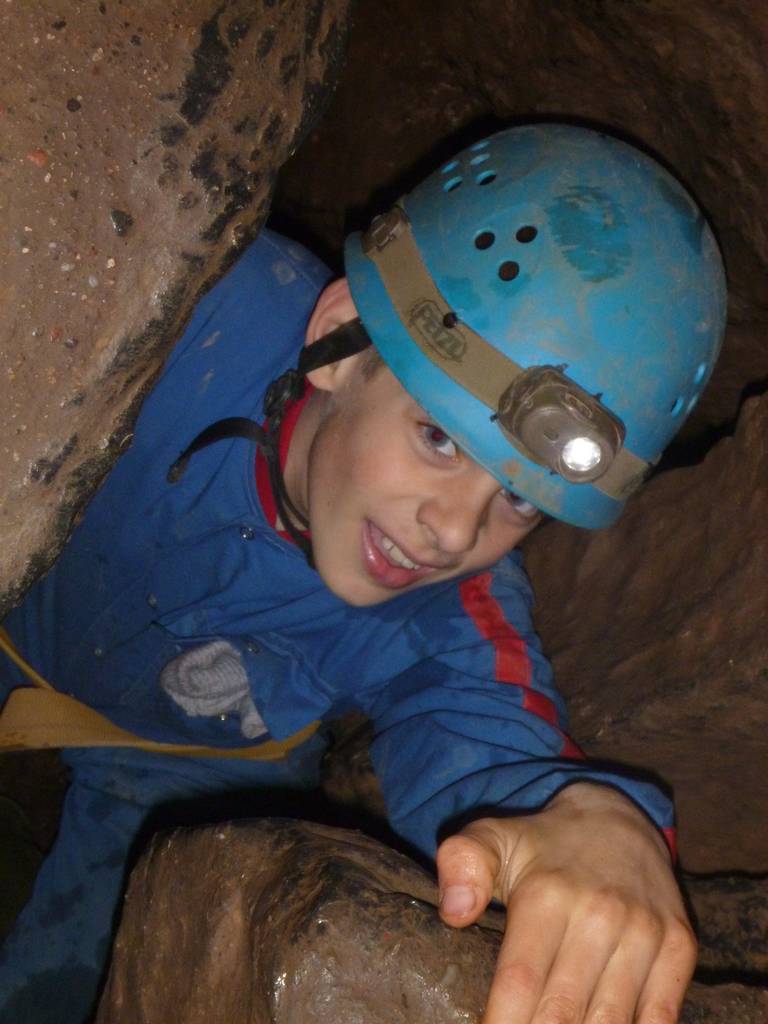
{"x": 450, "y": 167}
{"x": 701, "y": 370}
{"x": 485, "y": 240}
{"x": 480, "y": 159}
{"x": 483, "y": 144}
{"x": 452, "y": 183}
{"x": 509, "y": 270}
{"x": 486, "y": 177}
{"x": 677, "y": 406}
{"x": 526, "y": 233}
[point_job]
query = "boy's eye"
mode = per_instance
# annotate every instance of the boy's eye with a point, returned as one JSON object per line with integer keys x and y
{"x": 522, "y": 506}
{"x": 438, "y": 440}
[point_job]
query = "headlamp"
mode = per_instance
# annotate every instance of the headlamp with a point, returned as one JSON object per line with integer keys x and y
{"x": 558, "y": 424}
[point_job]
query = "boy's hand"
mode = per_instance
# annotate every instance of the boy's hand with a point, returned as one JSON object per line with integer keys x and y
{"x": 596, "y": 930}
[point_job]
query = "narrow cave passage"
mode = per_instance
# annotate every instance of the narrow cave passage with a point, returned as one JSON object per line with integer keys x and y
{"x": 655, "y": 627}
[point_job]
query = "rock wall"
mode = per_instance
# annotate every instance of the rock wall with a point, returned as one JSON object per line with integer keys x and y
{"x": 656, "y": 628}
{"x": 139, "y": 150}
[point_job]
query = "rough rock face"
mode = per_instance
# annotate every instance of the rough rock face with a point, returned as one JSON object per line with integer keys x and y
{"x": 294, "y": 922}
{"x": 656, "y": 628}
{"x": 287, "y": 922}
{"x": 139, "y": 149}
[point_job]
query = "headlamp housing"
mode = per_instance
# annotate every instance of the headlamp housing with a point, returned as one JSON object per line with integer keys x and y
{"x": 556, "y": 423}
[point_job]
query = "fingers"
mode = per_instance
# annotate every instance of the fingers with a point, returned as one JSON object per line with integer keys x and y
{"x": 555, "y": 956}
{"x": 646, "y": 978}
{"x": 596, "y": 931}
{"x": 534, "y": 933}
{"x": 603, "y": 963}
{"x": 669, "y": 976}
{"x": 617, "y": 989}
{"x": 467, "y": 868}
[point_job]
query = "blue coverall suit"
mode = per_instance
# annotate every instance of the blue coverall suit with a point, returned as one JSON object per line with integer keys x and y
{"x": 463, "y": 703}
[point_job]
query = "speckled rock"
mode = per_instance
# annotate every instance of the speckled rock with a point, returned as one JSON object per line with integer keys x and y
{"x": 140, "y": 145}
{"x": 277, "y": 922}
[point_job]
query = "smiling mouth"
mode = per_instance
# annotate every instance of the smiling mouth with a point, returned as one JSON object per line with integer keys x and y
{"x": 386, "y": 562}
{"x": 395, "y": 555}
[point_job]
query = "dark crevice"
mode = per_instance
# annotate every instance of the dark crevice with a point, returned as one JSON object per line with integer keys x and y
{"x": 694, "y": 877}
{"x": 692, "y": 451}
{"x": 730, "y": 976}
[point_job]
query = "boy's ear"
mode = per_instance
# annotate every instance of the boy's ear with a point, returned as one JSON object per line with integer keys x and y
{"x": 333, "y": 308}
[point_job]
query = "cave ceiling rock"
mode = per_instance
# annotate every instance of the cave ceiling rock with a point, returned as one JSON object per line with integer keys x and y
{"x": 687, "y": 81}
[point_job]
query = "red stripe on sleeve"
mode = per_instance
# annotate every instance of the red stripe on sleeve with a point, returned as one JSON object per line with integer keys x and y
{"x": 571, "y": 749}
{"x": 512, "y": 662}
{"x": 540, "y": 705}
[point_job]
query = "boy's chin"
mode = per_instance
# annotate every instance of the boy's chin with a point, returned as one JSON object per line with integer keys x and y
{"x": 354, "y": 593}
{"x": 354, "y": 588}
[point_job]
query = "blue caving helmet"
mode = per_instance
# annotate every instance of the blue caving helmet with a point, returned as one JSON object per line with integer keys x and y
{"x": 555, "y": 300}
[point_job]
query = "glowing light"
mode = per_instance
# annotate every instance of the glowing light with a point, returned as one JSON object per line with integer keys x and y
{"x": 581, "y": 454}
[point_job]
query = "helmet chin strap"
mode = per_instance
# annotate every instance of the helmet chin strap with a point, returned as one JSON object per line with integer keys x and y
{"x": 345, "y": 340}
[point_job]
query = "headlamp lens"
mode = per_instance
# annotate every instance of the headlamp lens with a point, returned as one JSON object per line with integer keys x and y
{"x": 581, "y": 454}
{"x": 560, "y": 425}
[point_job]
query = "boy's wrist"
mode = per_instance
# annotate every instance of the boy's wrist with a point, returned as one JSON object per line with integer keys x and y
{"x": 600, "y": 798}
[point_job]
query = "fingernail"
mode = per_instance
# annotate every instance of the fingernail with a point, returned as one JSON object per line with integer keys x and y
{"x": 457, "y": 900}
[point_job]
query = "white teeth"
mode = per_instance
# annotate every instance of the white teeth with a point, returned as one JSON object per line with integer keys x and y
{"x": 396, "y": 554}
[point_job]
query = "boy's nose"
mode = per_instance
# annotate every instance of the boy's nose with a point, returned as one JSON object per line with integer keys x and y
{"x": 455, "y": 512}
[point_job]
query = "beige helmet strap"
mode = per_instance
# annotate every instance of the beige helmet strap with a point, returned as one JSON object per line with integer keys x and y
{"x": 464, "y": 355}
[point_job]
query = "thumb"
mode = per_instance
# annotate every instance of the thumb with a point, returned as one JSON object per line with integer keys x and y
{"x": 467, "y": 867}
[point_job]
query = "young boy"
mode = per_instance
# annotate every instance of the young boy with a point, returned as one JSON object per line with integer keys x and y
{"x": 545, "y": 309}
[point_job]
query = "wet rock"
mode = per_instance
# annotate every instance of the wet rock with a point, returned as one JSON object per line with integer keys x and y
{"x": 286, "y": 922}
{"x": 280, "y": 922}
{"x": 127, "y": 190}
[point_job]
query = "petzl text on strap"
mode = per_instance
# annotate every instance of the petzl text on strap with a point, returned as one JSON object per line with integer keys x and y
{"x": 38, "y": 717}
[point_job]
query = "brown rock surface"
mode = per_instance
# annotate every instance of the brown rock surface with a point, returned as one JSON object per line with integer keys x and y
{"x": 286, "y": 922}
{"x": 139, "y": 149}
{"x": 731, "y": 915}
{"x": 656, "y": 628}
{"x": 283, "y": 922}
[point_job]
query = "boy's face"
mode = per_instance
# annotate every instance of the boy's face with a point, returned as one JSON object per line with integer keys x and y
{"x": 392, "y": 503}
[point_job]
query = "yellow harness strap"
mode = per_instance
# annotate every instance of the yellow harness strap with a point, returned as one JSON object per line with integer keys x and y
{"x": 38, "y": 717}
